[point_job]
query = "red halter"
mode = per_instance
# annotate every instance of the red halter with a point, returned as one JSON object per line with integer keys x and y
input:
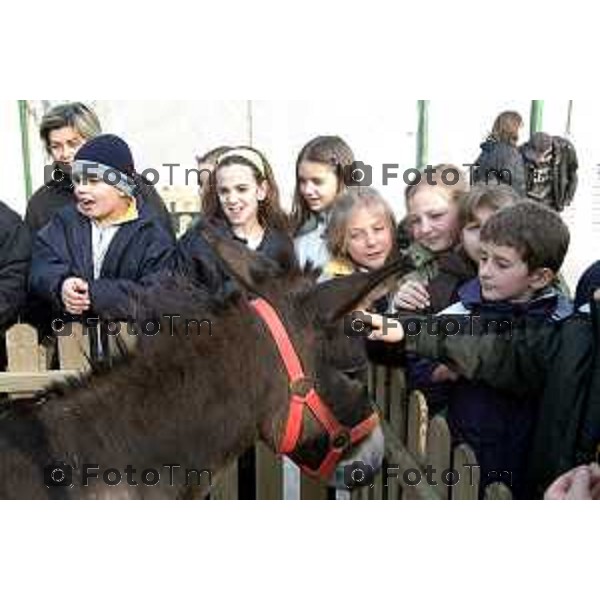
{"x": 303, "y": 394}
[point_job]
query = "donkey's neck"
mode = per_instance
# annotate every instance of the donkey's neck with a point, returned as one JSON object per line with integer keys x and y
{"x": 179, "y": 400}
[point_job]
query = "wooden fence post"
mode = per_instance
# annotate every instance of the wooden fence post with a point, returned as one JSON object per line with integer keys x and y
{"x": 439, "y": 446}
{"x": 73, "y": 349}
{"x": 468, "y": 485}
{"x": 418, "y": 416}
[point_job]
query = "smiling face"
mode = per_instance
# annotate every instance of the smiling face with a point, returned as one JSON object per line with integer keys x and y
{"x": 318, "y": 184}
{"x": 433, "y": 219}
{"x": 64, "y": 143}
{"x": 100, "y": 201}
{"x": 239, "y": 194}
{"x": 369, "y": 237}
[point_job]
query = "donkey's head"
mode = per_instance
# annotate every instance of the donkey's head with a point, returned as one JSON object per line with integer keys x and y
{"x": 322, "y": 418}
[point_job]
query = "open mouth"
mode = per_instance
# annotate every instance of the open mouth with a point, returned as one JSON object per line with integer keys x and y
{"x": 234, "y": 211}
{"x": 86, "y": 204}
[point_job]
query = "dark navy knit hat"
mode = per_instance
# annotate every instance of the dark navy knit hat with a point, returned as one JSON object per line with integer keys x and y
{"x": 108, "y": 157}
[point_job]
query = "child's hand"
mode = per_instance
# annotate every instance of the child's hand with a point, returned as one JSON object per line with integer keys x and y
{"x": 385, "y": 329}
{"x": 597, "y": 295}
{"x": 75, "y": 295}
{"x": 443, "y": 374}
{"x": 413, "y": 296}
{"x": 582, "y": 483}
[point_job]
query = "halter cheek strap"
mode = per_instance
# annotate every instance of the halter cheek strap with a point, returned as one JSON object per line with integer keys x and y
{"x": 304, "y": 395}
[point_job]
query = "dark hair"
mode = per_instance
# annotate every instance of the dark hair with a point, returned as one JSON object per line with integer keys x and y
{"x": 329, "y": 150}
{"x": 537, "y": 233}
{"x": 492, "y": 195}
{"x": 76, "y": 115}
{"x": 506, "y": 128}
{"x": 540, "y": 142}
{"x": 212, "y": 156}
{"x": 270, "y": 213}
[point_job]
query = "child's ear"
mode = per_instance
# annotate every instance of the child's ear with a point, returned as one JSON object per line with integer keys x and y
{"x": 541, "y": 278}
{"x": 263, "y": 190}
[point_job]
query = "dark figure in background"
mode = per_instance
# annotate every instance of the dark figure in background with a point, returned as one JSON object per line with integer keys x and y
{"x": 500, "y": 159}
{"x": 551, "y": 166}
{"x": 15, "y": 256}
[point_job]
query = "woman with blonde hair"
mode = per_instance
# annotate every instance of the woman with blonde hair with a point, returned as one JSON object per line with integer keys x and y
{"x": 64, "y": 130}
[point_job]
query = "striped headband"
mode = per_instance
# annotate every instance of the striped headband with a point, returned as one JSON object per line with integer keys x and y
{"x": 253, "y": 157}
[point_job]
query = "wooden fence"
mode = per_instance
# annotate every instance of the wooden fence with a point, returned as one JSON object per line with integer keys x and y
{"x": 414, "y": 443}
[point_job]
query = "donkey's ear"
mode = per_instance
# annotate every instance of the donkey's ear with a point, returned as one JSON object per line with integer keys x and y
{"x": 249, "y": 268}
{"x": 335, "y": 299}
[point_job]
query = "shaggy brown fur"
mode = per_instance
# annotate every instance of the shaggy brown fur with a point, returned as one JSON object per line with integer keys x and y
{"x": 194, "y": 400}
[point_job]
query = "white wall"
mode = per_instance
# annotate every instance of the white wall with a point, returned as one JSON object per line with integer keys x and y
{"x": 12, "y": 184}
{"x": 380, "y": 131}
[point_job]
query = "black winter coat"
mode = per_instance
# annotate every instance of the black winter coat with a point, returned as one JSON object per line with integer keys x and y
{"x": 197, "y": 260}
{"x": 15, "y": 256}
{"x": 496, "y": 161}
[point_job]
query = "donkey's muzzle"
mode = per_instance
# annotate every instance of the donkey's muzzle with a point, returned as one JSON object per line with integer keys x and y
{"x": 359, "y": 468}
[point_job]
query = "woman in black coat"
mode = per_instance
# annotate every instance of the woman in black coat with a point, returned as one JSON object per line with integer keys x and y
{"x": 500, "y": 158}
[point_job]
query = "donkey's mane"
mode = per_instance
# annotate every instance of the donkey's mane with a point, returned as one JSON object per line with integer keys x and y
{"x": 176, "y": 295}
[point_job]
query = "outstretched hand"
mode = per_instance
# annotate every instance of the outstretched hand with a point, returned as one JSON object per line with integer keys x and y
{"x": 385, "y": 329}
{"x": 582, "y": 483}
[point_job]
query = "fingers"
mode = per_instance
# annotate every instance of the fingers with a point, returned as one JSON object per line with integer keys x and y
{"x": 81, "y": 286}
{"x": 595, "y": 481}
{"x": 442, "y": 374}
{"x": 580, "y": 485}
{"x": 385, "y": 329}
{"x": 559, "y": 489}
{"x": 75, "y": 296}
{"x": 76, "y": 308}
{"x": 412, "y": 295}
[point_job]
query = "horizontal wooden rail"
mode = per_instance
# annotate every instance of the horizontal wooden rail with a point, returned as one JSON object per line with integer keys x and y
{"x": 31, "y": 382}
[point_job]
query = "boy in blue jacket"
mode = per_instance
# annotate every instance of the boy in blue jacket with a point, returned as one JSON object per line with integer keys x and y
{"x": 92, "y": 258}
{"x": 498, "y": 410}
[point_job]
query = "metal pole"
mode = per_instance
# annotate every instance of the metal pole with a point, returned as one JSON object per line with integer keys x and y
{"x": 250, "y": 119}
{"x": 569, "y": 119}
{"x": 537, "y": 113}
{"x": 24, "y": 121}
{"x": 423, "y": 133}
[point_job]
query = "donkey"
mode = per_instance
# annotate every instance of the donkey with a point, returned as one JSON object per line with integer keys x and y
{"x": 277, "y": 365}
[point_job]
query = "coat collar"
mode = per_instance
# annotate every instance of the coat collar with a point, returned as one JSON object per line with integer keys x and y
{"x": 550, "y": 302}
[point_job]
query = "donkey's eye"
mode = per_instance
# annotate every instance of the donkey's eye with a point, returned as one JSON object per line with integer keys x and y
{"x": 355, "y": 374}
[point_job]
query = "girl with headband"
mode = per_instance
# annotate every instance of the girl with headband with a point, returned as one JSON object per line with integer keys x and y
{"x": 242, "y": 202}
